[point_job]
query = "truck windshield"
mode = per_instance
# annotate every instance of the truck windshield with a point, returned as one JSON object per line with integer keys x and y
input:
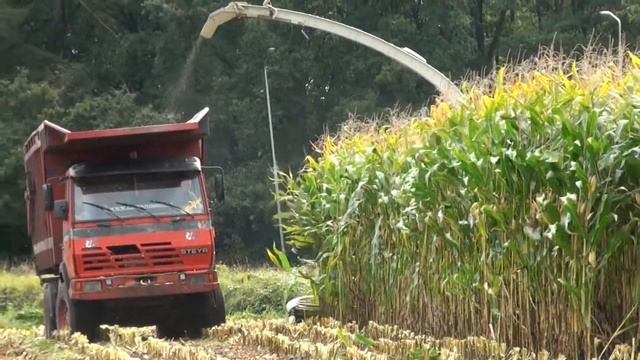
{"x": 137, "y": 195}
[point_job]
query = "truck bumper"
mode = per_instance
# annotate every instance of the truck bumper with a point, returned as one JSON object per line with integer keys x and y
{"x": 138, "y": 286}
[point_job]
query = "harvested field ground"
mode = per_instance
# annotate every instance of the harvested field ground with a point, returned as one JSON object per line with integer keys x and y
{"x": 256, "y": 329}
{"x": 263, "y": 339}
{"x": 252, "y": 339}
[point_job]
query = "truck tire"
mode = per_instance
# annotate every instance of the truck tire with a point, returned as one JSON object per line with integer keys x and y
{"x": 215, "y": 307}
{"x": 50, "y": 297}
{"x": 75, "y": 316}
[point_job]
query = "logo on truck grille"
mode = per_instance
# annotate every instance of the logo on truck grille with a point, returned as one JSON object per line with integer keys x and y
{"x": 194, "y": 251}
{"x": 90, "y": 244}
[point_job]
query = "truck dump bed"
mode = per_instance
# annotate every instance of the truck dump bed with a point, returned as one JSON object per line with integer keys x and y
{"x": 51, "y": 150}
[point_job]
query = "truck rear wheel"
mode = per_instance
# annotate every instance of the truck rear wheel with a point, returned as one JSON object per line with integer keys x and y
{"x": 74, "y": 316}
{"x": 50, "y": 297}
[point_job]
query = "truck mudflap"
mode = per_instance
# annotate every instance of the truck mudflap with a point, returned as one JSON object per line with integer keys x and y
{"x": 138, "y": 286}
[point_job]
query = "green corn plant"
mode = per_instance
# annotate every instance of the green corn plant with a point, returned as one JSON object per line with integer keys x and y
{"x": 513, "y": 216}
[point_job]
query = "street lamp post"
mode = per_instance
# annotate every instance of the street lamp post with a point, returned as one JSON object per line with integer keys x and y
{"x": 273, "y": 157}
{"x": 620, "y": 49}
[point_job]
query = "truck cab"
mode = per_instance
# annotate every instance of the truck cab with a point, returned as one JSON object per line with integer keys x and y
{"x": 124, "y": 235}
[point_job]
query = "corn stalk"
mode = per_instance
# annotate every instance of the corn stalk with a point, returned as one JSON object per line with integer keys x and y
{"x": 513, "y": 217}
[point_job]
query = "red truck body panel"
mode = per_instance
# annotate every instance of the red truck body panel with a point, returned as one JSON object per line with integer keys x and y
{"x": 161, "y": 255}
{"x": 51, "y": 150}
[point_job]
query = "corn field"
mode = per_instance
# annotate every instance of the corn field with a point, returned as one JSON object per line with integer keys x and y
{"x": 512, "y": 217}
{"x": 320, "y": 339}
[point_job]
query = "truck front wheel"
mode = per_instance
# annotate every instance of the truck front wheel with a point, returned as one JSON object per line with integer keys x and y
{"x": 215, "y": 308}
{"x": 50, "y": 297}
{"x": 74, "y": 316}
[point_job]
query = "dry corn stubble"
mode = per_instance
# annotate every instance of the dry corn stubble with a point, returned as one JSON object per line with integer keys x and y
{"x": 328, "y": 339}
{"x": 310, "y": 340}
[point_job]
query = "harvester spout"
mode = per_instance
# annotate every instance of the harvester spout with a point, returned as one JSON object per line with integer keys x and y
{"x": 220, "y": 17}
{"x": 406, "y": 57}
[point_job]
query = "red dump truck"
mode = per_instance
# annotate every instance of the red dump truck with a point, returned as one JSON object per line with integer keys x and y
{"x": 120, "y": 224}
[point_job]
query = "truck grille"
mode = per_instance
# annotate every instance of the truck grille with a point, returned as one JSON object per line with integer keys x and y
{"x": 130, "y": 257}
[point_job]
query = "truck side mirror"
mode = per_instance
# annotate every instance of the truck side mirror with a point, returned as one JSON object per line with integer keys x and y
{"x": 47, "y": 192}
{"x": 218, "y": 183}
{"x": 219, "y": 187}
{"x": 61, "y": 209}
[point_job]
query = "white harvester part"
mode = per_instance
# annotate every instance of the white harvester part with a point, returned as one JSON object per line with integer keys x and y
{"x": 406, "y": 56}
{"x": 301, "y": 308}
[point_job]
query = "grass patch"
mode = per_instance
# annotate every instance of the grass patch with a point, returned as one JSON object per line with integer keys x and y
{"x": 259, "y": 292}
{"x": 22, "y": 317}
{"x": 20, "y": 299}
{"x": 247, "y": 315}
{"x": 17, "y": 288}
